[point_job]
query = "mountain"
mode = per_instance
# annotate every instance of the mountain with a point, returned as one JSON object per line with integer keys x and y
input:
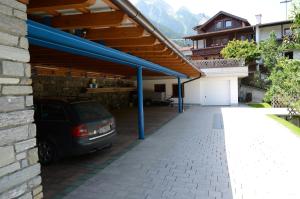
{"x": 174, "y": 24}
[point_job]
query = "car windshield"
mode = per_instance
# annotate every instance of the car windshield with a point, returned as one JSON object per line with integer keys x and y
{"x": 90, "y": 111}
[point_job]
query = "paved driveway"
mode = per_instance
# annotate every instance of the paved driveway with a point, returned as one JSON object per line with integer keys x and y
{"x": 207, "y": 152}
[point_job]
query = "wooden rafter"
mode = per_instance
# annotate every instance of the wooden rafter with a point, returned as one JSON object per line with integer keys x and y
{"x": 155, "y": 48}
{"x": 24, "y": 1}
{"x": 114, "y": 33}
{"x": 110, "y": 4}
{"x": 53, "y": 5}
{"x": 89, "y": 20}
{"x": 143, "y": 41}
{"x": 83, "y": 10}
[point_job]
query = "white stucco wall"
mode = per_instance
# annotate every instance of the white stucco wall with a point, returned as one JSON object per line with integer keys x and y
{"x": 192, "y": 94}
{"x": 265, "y": 31}
{"x": 149, "y": 85}
{"x": 192, "y": 90}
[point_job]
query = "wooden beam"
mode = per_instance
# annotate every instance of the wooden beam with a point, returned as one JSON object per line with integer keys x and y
{"x": 154, "y": 48}
{"x": 110, "y": 4}
{"x": 114, "y": 33}
{"x": 24, "y": 1}
{"x": 143, "y": 41}
{"x": 83, "y": 10}
{"x": 89, "y": 20}
{"x": 155, "y": 53}
{"x": 46, "y": 5}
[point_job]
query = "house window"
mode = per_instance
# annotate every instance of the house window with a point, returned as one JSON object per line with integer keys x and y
{"x": 220, "y": 41}
{"x": 219, "y": 25}
{"x": 159, "y": 88}
{"x": 175, "y": 91}
{"x": 289, "y": 55}
{"x": 228, "y": 23}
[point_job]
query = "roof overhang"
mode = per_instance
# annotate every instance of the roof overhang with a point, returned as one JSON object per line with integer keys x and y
{"x": 114, "y": 26}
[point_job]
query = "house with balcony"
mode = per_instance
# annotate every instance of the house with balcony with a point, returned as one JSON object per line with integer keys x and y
{"x": 281, "y": 29}
{"x": 213, "y": 35}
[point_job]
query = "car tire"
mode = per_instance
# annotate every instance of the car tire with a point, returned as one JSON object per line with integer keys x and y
{"x": 47, "y": 152}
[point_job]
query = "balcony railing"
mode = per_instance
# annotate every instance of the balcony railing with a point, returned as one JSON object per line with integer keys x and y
{"x": 219, "y": 63}
{"x": 207, "y": 51}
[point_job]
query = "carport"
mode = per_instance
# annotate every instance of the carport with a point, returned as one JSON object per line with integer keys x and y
{"x": 56, "y": 48}
{"x": 106, "y": 37}
{"x": 100, "y": 38}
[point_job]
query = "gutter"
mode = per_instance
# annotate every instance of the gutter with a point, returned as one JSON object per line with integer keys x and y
{"x": 132, "y": 12}
{"x": 191, "y": 80}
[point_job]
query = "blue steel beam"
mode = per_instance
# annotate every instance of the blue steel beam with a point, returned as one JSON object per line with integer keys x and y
{"x": 180, "y": 108}
{"x": 139, "y": 77}
{"x": 45, "y": 36}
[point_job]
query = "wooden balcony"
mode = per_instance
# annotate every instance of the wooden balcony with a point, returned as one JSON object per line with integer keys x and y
{"x": 207, "y": 51}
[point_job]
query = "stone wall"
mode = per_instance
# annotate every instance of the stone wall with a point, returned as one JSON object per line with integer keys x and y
{"x": 19, "y": 167}
{"x": 257, "y": 94}
{"x": 53, "y": 86}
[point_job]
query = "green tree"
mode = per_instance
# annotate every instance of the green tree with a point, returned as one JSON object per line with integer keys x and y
{"x": 285, "y": 78}
{"x": 293, "y": 41}
{"x": 271, "y": 51}
{"x": 241, "y": 50}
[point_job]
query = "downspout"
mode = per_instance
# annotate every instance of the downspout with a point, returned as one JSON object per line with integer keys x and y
{"x": 191, "y": 80}
{"x": 132, "y": 12}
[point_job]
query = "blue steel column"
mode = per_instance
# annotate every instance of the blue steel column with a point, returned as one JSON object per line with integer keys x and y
{"x": 179, "y": 96}
{"x": 140, "y": 102}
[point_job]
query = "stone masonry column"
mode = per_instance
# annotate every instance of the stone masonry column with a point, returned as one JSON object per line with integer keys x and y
{"x": 19, "y": 167}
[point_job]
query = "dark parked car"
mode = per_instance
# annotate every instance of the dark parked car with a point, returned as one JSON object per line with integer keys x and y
{"x": 67, "y": 128}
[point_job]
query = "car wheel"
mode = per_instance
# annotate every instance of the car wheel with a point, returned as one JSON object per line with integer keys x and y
{"x": 47, "y": 152}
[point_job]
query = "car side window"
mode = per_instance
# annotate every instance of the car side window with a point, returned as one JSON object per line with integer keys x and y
{"x": 53, "y": 112}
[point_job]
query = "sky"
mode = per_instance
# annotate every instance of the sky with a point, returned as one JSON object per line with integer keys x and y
{"x": 271, "y": 10}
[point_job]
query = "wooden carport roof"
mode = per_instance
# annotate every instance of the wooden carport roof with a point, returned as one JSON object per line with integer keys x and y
{"x": 106, "y": 22}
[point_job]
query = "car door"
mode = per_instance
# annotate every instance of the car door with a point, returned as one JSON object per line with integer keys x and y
{"x": 55, "y": 126}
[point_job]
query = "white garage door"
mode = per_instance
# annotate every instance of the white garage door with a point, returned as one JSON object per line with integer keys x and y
{"x": 216, "y": 92}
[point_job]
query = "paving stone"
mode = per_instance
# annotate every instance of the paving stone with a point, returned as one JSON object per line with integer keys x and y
{"x": 206, "y": 153}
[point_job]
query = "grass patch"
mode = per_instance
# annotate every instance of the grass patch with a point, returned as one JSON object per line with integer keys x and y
{"x": 295, "y": 129}
{"x": 259, "y": 105}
